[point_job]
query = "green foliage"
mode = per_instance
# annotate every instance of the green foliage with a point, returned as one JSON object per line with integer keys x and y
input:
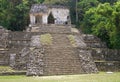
{"x": 5, "y": 15}
{"x": 108, "y": 1}
{"x": 83, "y": 6}
{"x": 14, "y": 15}
{"x": 58, "y": 2}
{"x": 103, "y": 22}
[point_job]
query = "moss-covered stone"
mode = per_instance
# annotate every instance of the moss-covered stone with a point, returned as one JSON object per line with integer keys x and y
{"x": 72, "y": 40}
{"x": 46, "y": 39}
{"x": 4, "y": 69}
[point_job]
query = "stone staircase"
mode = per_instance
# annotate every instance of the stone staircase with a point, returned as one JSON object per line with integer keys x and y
{"x": 61, "y": 58}
{"x": 61, "y": 61}
{"x": 60, "y": 40}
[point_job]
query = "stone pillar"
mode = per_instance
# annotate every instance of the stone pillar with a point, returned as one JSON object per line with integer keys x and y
{"x": 32, "y": 19}
{"x": 12, "y": 60}
{"x": 45, "y": 19}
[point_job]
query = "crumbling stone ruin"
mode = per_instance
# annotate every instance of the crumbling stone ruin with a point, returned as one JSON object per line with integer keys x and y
{"x": 52, "y": 48}
{"x": 104, "y": 58}
{"x": 49, "y": 14}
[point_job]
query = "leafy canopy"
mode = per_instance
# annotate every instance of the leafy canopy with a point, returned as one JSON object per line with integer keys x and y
{"x": 103, "y": 21}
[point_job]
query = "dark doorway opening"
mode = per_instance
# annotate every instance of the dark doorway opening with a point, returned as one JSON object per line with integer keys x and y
{"x": 38, "y": 19}
{"x": 51, "y": 19}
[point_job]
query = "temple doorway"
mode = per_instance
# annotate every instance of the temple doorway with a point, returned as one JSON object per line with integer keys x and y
{"x": 51, "y": 19}
{"x": 38, "y": 19}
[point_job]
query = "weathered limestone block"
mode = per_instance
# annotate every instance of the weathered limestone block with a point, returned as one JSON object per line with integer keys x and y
{"x": 4, "y": 57}
{"x": 93, "y": 41}
{"x": 105, "y": 54}
{"x": 80, "y": 42}
{"x": 108, "y": 66}
{"x": 19, "y": 61}
{"x": 12, "y": 60}
{"x": 88, "y": 37}
{"x": 35, "y": 41}
{"x": 3, "y": 40}
{"x": 87, "y": 62}
{"x": 98, "y": 54}
{"x": 35, "y": 62}
{"x": 19, "y": 36}
{"x": 19, "y": 39}
{"x": 76, "y": 41}
{"x": 51, "y": 28}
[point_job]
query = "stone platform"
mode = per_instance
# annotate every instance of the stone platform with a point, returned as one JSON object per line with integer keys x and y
{"x": 56, "y": 50}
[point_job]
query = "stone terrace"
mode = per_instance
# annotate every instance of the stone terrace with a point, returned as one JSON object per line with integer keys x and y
{"x": 66, "y": 52}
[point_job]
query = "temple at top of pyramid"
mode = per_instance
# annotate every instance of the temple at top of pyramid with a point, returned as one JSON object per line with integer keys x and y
{"x": 49, "y": 14}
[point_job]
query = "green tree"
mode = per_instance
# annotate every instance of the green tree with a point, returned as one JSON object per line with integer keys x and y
{"x": 83, "y": 6}
{"x": 5, "y": 13}
{"x": 108, "y": 1}
{"x": 103, "y": 22}
{"x": 59, "y": 2}
{"x": 14, "y": 15}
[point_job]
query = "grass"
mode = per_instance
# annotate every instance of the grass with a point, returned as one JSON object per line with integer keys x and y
{"x": 102, "y": 77}
{"x": 46, "y": 39}
{"x": 5, "y": 69}
{"x": 72, "y": 40}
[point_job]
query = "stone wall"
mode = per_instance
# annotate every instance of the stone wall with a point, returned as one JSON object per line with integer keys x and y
{"x": 19, "y": 39}
{"x": 87, "y": 61}
{"x": 61, "y": 15}
{"x": 93, "y": 41}
{"x": 4, "y": 57}
{"x": 105, "y": 66}
{"x": 18, "y": 44}
{"x": 105, "y": 59}
{"x": 3, "y": 38}
{"x": 51, "y": 28}
{"x": 35, "y": 65}
{"x": 106, "y": 54}
{"x": 21, "y": 59}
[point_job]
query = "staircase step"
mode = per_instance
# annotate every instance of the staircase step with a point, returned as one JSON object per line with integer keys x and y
{"x": 61, "y": 61}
